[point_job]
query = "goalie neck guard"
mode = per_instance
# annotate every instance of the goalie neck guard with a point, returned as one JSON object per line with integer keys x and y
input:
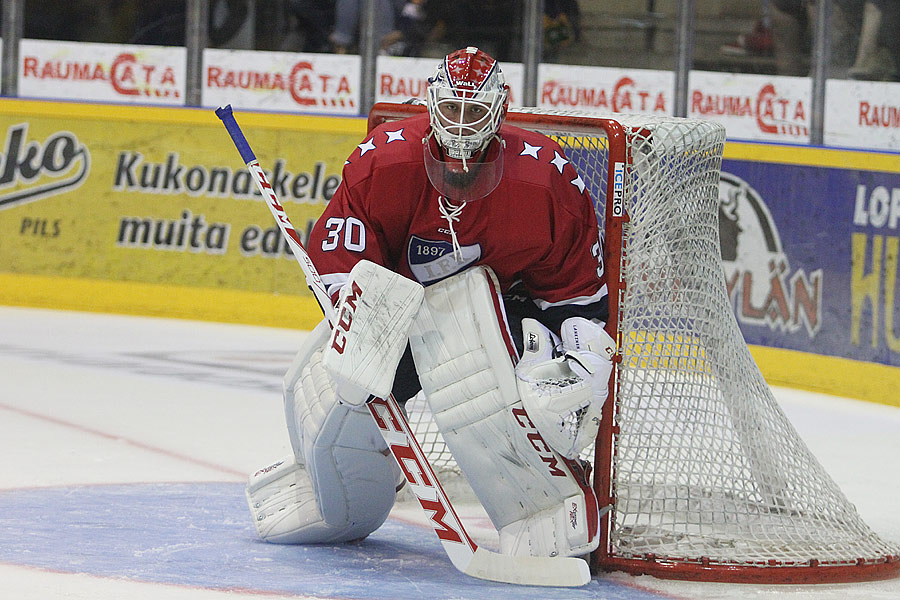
{"x": 463, "y": 181}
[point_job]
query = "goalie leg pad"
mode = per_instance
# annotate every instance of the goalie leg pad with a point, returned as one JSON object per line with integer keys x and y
{"x": 341, "y": 482}
{"x": 465, "y": 359}
{"x": 283, "y": 505}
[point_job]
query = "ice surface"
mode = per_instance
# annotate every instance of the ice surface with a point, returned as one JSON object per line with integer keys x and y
{"x": 126, "y": 442}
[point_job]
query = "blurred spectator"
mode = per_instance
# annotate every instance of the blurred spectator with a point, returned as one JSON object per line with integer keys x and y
{"x": 492, "y": 25}
{"x": 495, "y": 26}
{"x": 878, "y": 50}
{"x": 791, "y": 39}
{"x": 162, "y": 22}
{"x": 793, "y": 23}
{"x": 414, "y": 25}
{"x": 344, "y": 38}
{"x": 562, "y": 26}
{"x": 75, "y": 20}
{"x": 315, "y": 20}
{"x": 756, "y": 43}
{"x": 863, "y": 33}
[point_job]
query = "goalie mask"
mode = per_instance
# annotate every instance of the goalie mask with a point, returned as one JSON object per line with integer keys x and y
{"x": 467, "y": 100}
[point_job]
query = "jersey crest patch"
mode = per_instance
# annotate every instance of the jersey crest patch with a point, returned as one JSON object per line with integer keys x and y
{"x": 433, "y": 260}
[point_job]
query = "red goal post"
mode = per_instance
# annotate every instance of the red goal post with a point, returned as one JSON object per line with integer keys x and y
{"x": 707, "y": 478}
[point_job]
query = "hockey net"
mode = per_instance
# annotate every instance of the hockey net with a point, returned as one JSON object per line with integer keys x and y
{"x": 707, "y": 477}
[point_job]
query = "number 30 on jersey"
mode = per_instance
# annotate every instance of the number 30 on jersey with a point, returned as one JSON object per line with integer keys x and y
{"x": 348, "y": 232}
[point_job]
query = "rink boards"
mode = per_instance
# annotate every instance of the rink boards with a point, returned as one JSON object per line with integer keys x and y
{"x": 147, "y": 210}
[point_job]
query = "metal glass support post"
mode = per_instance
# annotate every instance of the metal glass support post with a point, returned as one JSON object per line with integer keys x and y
{"x": 821, "y": 57}
{"x": 532, "y": 49}
{"x": 13, "y": 19}
{"x": 368, "y": 54}
{"x": 196, "y": 39}
{"x": 684, "y": 55}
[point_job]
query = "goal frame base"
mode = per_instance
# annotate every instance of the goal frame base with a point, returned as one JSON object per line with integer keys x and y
{"x": 808, "y": 574}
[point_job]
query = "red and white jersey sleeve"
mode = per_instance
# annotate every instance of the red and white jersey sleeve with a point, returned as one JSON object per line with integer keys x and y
{"x": 553, "y": 211}
{"x": 370, "y": 213}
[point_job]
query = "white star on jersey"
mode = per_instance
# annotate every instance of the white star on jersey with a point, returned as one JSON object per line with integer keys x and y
{"x": 530, "y": 150}
{"x": 365, "y": 147}
{"x": 394, "y": 136}
{"x": 559, "y": 161}
{"x": 579, "y": 183}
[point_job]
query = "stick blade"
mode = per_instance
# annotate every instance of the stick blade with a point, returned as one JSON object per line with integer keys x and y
{"x": 528, "y": 570}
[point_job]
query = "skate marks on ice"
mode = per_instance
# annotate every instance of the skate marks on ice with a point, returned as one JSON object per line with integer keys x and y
{"x": 199, "y": 535}
{"x": 127, "y": 440}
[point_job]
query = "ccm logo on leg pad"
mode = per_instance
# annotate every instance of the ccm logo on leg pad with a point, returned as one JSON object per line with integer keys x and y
{"x": 345, "y": 319}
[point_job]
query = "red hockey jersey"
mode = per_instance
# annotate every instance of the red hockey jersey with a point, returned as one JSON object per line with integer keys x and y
{"x": 537, "y": 226}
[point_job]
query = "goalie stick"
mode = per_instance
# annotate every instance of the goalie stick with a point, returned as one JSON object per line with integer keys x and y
{"x": 463, "y": 552}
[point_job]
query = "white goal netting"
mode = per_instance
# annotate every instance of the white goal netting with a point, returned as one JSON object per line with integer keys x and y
{"x": 704, "y": 469}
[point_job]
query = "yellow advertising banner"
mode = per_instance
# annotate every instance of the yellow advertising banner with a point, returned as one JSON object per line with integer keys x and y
{"x": 151, "y": 211}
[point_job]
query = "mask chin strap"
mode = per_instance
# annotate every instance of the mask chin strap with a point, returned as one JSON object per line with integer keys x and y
{"x": 484, "y": 150}
{"x": 451, "y": 212}
{"x": 463, "y": 153}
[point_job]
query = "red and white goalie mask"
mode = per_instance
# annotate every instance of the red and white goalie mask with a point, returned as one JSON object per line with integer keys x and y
{"x": 467, "y": 101}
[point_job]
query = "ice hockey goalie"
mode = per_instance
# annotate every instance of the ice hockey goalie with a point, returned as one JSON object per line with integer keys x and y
{"x": 476, "y": 249}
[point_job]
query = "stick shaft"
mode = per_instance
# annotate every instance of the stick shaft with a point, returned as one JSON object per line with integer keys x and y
{"x": 313, "y": 280}
{"x": 386, "y": 412}
{"x": 394, "y": 427}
